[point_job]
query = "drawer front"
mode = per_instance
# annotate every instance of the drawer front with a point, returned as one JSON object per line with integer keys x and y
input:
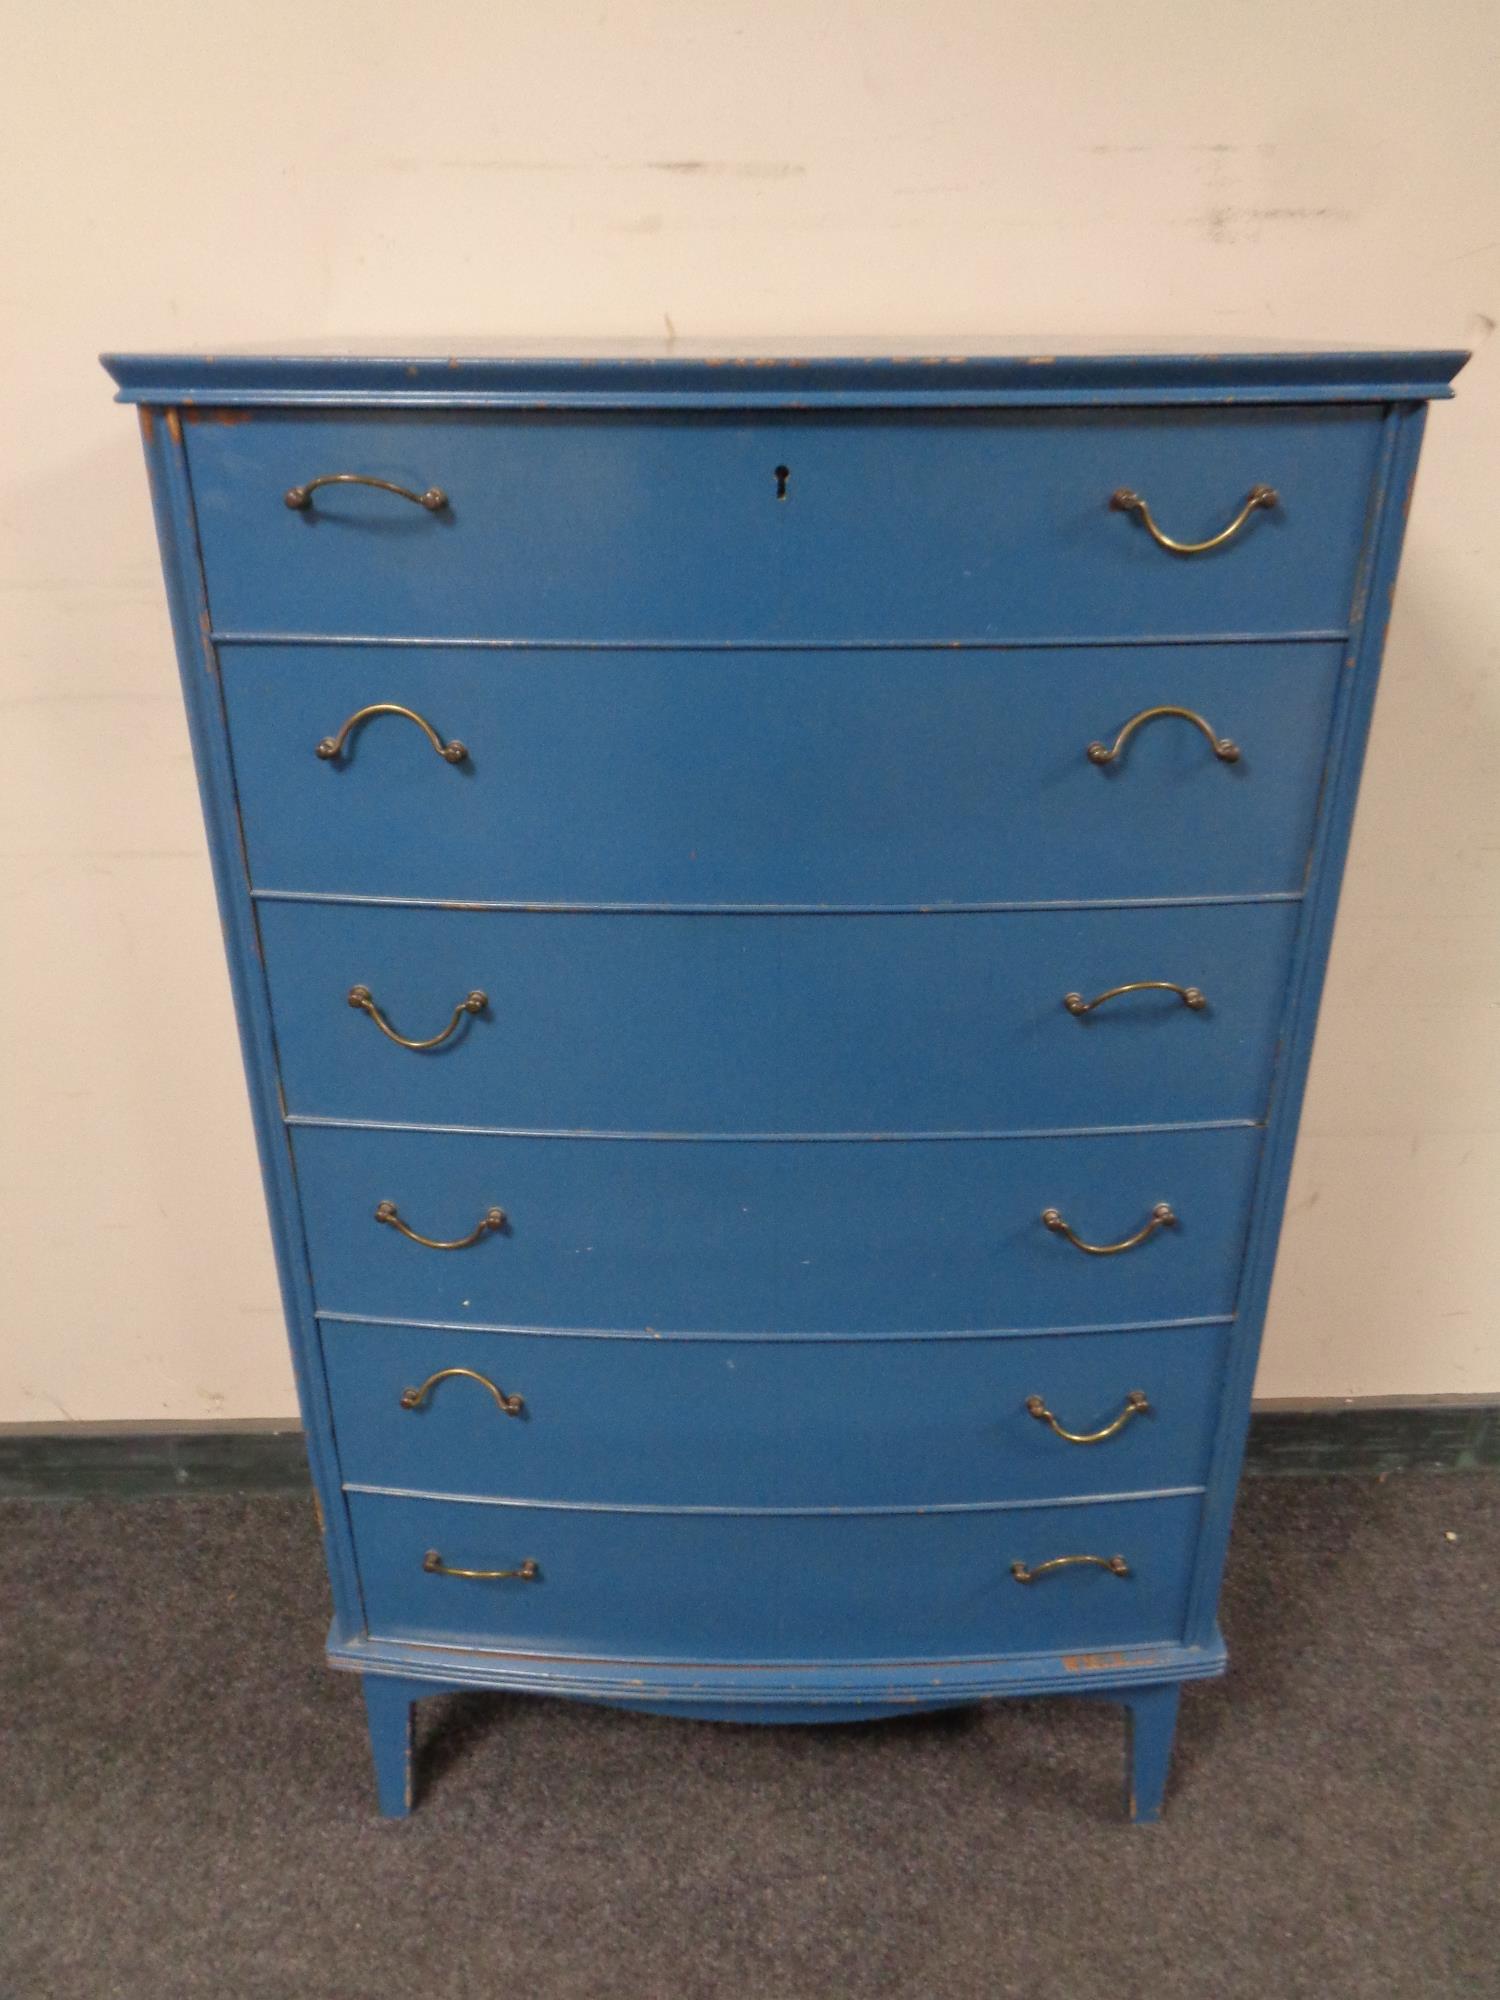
{"x": 722, "y": 1587}
{"x": 777, "y": 1024}
{"x": 763, "y": 777}
{"x": 744, "y": 1236}
{"x": 787, "y": 1423}
{"x": 669, "y": 527}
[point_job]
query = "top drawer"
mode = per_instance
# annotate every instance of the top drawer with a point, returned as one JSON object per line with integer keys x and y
{"x": 696, "y": 528}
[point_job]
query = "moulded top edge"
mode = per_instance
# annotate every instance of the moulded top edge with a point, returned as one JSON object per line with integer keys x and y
{"x": 704, "y": 376}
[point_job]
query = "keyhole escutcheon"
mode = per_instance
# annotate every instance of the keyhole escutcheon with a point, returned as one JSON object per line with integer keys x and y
{"x": 783, "y": 474}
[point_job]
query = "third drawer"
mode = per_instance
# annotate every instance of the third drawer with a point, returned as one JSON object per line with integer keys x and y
{"x": 900, "y": 1422}
{"x": 778, "y": 1024}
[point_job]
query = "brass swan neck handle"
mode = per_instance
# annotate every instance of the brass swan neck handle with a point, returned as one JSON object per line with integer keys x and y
{"x": 413, "y": 1399}
{"x": 528, "y": 1572}
{"x": 299, "y": 498}
{"x": 1191, "y": 996}
{"x": 361, "y": 998}
{"x": 1116, "y": 1565}
{"x": 1136, "y": 1404}
{"x": 1224, "y": 748}
{"x": 331, "y": 747}
{"x": 493, "y": 1218}
{"x": 1163, "y": 1216}
{"x": 1124, "y": 501}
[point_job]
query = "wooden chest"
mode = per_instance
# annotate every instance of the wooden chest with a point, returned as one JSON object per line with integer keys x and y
{"x": 777, "y": 914}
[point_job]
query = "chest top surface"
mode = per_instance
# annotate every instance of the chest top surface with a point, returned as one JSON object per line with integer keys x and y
{"x": 810, "y": 373}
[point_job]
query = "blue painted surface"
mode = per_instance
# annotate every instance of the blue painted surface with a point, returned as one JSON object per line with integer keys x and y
{"x": 778, "y": 1024}
{"x": 792, "y": 1691}
{"x": 1374, "y": 597}
{"x": 798, "y": 1363}
{"x": 938, "y": 526}
{"x": 729, "y": 1587}
{"x": 666, "y": 374}
{"x": 763, "y": 778}
{"x": 202, "y": 700}
{"x": 836, "y": 1236}
{"x": 388, "y": 1706}
{"x": 788, "y": 1423}
{"x": 1152, "y": 1722}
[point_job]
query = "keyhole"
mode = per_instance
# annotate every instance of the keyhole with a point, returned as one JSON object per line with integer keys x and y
{"x": 783, "y": 474}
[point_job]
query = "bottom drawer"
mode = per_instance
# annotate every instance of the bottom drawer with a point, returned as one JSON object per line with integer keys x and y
{"x": 643, "y": 1585}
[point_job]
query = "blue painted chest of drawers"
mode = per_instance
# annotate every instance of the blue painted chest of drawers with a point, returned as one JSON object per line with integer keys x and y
{"x": 777, "y": 913}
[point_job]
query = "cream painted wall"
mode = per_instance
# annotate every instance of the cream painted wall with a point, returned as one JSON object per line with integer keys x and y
{"x": 189, "y": 175}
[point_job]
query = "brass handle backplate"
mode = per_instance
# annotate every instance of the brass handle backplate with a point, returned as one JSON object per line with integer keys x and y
{"x": 528, "y": 1572}
{"x": 1190, "y": 996}
{"x": 300, "y": 497}
{"x": 1126, "y": 502}
{"x": 332, "y": 746}
{"x": 1136, "y": 1404}
{"x": 1163, "y": 1216}
{"x": 413, "y": 1399}
{"x": 1116, "y": 1565}
{"x": 493, "y": 1218}
{"x": 1227, "y": 751}
{"x": 361, "y": 998}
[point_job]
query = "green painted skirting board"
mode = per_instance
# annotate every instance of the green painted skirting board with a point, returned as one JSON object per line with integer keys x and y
{"x": 130, "y": 1461}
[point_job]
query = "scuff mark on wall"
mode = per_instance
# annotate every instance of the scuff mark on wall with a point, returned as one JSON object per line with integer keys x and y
{"x": 744, "y": 170}
{"x": 1224, "y": 223}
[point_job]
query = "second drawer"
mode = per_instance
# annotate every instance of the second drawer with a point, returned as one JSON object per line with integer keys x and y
{"x": 777, "y": 1024}
{"x": 785, "y": 1423}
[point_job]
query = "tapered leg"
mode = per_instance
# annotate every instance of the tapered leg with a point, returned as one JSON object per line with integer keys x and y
{"x": 388, "y": 1706}
{"x": 1150, "y": 1726}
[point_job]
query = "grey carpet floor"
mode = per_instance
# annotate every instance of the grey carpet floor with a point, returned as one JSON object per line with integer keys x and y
{"x": 185, "y": 1806}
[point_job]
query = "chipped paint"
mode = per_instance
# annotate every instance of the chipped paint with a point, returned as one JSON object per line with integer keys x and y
{"x": 1105, "y": 1663}
{"x": 206, "y": 634}
{"x": 148, "y": 423}
{"x": 174, "y": 427}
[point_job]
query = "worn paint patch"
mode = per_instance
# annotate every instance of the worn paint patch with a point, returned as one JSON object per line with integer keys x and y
{"x": 148, "y": 423}
{"x": 174, "y": 427}
{"x": 1105, "y": 1663}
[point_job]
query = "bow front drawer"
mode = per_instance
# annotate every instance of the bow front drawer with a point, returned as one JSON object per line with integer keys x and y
{"x": 794, "y": 1423}
{"x": 718, "y": 528}
{"x": 755, "y": 1236}
{"x": 557, "y": 1021}
{"x": 770, "y": 1586}
{"x": 769, "y": 776}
